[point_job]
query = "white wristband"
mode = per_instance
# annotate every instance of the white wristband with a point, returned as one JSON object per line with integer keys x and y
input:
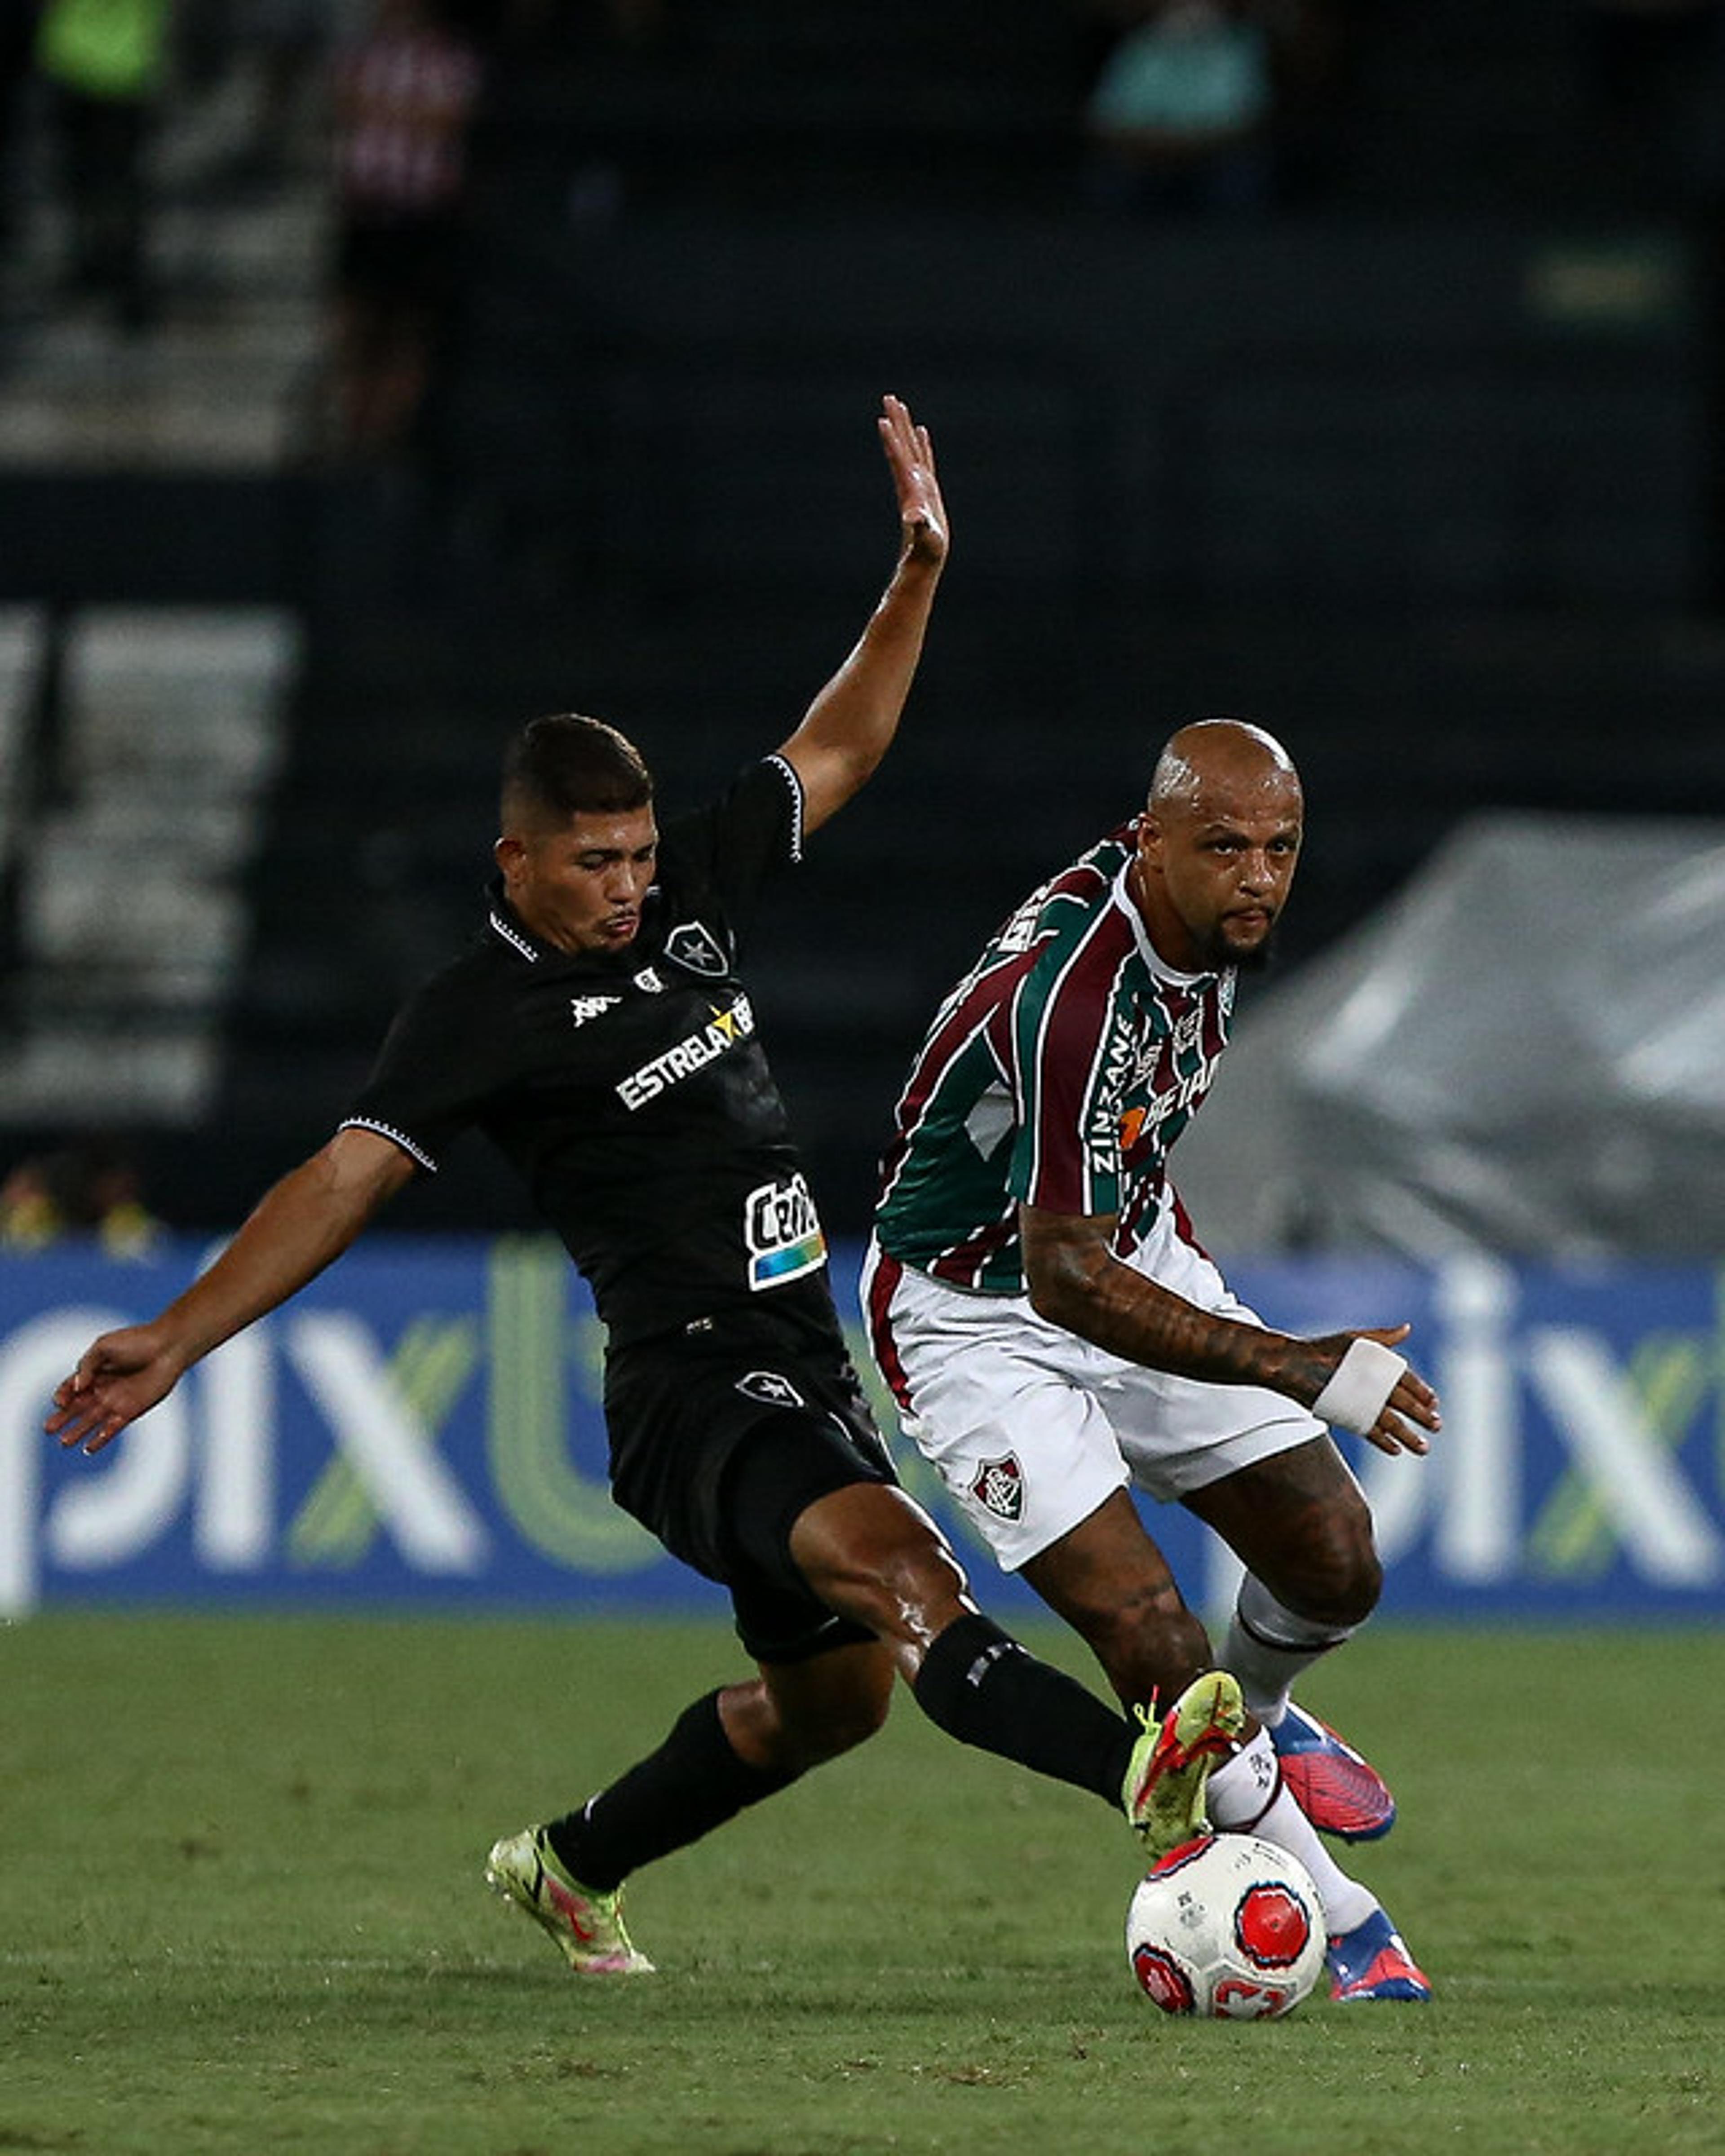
{"x": 1360, "y": 1385}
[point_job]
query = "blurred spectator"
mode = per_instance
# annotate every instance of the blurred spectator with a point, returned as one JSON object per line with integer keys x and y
{"x": 103, "y": 62}
{"x": 88, "y": 1188}
{"x": 1180, "y": 114}
{"x": 404, "y": 95}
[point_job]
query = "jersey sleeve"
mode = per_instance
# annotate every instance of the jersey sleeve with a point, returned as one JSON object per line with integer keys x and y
{"x": 736, "y": 842}
{"x": 431, "y": 1078}
{"x": 1070, "y": 1059}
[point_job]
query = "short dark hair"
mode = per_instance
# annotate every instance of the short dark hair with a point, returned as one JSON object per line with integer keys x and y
{"x": 566, "y": 765}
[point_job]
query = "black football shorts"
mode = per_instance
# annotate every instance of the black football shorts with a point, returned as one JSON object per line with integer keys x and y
{"x": 719, "y": 1443}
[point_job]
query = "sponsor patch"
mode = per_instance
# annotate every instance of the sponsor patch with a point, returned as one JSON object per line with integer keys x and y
{"x": 649, "y": 981}
{"x": 728, "y": 1028}
{"x": 767, "y": 1385}
{"x": 999, "y": 1487}
{"x": 692, "y": 945}
{"x": 783, "y": 1231}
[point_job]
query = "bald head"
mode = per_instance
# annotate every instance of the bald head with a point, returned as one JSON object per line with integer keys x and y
{"x": 1216, "y": 759}
{"x": 1217, "y": 844}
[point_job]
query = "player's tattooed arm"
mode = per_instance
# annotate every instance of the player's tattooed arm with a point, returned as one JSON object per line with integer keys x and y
{"x": 1075, "y": 1282}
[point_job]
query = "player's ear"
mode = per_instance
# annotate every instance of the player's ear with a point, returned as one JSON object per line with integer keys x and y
{"x": 509, "y": 853}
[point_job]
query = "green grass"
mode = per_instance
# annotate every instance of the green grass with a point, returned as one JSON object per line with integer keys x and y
{"x": 242, "y": 1909}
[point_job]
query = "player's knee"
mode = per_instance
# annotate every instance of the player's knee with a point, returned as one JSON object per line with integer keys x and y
{"x": 887, "y": 1566}
{"x": 1335, "y": 1579}
{"x": 909, "y": 1592}
{"x": 1356, "y": 1595}
{"x": 1125, "y": 1606}
{"x": 1148, "y": 1645}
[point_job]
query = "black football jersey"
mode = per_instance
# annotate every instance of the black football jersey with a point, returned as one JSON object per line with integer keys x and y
{"x": 629, "y": 1088}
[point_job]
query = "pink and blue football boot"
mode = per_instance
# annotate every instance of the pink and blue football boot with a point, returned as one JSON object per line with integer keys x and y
{"x": 1373, "y": 1962}
{"x": 1338, "y": 1791}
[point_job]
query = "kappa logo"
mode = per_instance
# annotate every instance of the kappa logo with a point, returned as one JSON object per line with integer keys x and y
{"x": 767, "y": 1385}
{"x": 583, "y": 1007}
{"x": 999, "y": 1487}
{"x": 692, "y": 945}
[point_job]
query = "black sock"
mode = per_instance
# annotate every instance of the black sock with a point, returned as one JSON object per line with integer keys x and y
{"x": 981, "y": 1686}
{"x": 693, "y": 1782}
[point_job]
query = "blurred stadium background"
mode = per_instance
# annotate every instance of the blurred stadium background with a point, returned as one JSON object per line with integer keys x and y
{"x": 1418, "y": 462}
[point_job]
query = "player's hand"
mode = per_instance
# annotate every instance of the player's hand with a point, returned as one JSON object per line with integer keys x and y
{"x": 921, "y": 513}
{"x": 1412, "y": 1408}
{"x": 119, "y": 1377}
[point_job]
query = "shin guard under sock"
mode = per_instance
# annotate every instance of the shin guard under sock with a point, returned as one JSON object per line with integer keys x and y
{"x": 1268, "y": 1648}
{"x": 980, "y": 1686}
{"x": 693, "y": 1782}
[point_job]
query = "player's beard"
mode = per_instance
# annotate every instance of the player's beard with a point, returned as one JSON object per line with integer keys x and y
{"x": 1218, "y": 953}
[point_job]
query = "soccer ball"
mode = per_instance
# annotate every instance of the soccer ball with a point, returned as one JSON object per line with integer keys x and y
{"x": 1227, "y": 1927}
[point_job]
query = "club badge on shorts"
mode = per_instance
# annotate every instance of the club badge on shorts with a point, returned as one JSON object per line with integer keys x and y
{"x": 999, "y": 1488}
{"x": 769, "y": 1386}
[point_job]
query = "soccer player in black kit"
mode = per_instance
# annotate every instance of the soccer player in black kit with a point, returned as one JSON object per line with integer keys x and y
{"x": 597, "y": 1032}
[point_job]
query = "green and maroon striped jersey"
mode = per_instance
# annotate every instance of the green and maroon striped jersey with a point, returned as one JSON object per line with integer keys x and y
{"x": 1057, "y": 1073}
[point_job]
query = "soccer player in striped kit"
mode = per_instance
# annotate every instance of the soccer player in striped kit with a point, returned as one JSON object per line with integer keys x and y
{"x": 1054, "y": 1333}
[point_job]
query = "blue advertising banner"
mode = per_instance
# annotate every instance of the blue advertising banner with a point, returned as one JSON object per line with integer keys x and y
{"x": 421, "y": 1425}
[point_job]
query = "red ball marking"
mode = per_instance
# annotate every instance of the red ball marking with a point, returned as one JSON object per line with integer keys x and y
{"x": 1187, "y": 1852}
{"x": 1271, "y": 1926}
{"x": 1236, "y": 2000}
{"x": 1162, "y": 1980}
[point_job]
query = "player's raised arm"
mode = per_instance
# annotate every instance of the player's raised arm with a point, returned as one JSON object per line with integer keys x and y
{"x": 849, "y": 725}
{"x": 1076, "y": 1283}
{"x": 297, "y": 1228}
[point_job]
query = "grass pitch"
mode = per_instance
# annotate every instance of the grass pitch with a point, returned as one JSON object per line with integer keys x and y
{"x": 242, "y": 1908}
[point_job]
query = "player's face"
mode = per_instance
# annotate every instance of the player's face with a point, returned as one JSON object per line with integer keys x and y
{"x": 579, "y": 885}
{"x": 1213, "y": 873}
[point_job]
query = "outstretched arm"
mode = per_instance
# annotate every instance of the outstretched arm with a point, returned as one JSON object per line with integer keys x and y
{"x": 298, "y": 1227}
{"x": 1075, "y": 1282}
{"x": 849, "y": 725}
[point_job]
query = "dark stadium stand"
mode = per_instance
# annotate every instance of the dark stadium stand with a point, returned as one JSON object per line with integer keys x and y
{"x": 1421, "y": 470}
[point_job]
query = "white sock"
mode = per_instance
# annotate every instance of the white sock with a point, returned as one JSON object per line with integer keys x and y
{"x": 1235, "y": 1798}
{"x": 1268, "y": 1647}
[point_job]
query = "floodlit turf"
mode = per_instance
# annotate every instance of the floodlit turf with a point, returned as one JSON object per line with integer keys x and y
{"x": 241, "y": 1909}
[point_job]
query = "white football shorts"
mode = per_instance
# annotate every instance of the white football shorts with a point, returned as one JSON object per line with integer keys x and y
{"x": 1031, "y": 1428}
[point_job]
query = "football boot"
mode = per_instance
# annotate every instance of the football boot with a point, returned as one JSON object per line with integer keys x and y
{"x": 1373, "y": 1962}
{"x": 1338, "y": 1791}
{"x": 586, "y": 1924}
{"x": 1171, "y": 1762}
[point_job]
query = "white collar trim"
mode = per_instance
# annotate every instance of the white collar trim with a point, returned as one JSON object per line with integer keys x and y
{"x": 1146, "y": 950}
{"x": 510, "y": 936}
